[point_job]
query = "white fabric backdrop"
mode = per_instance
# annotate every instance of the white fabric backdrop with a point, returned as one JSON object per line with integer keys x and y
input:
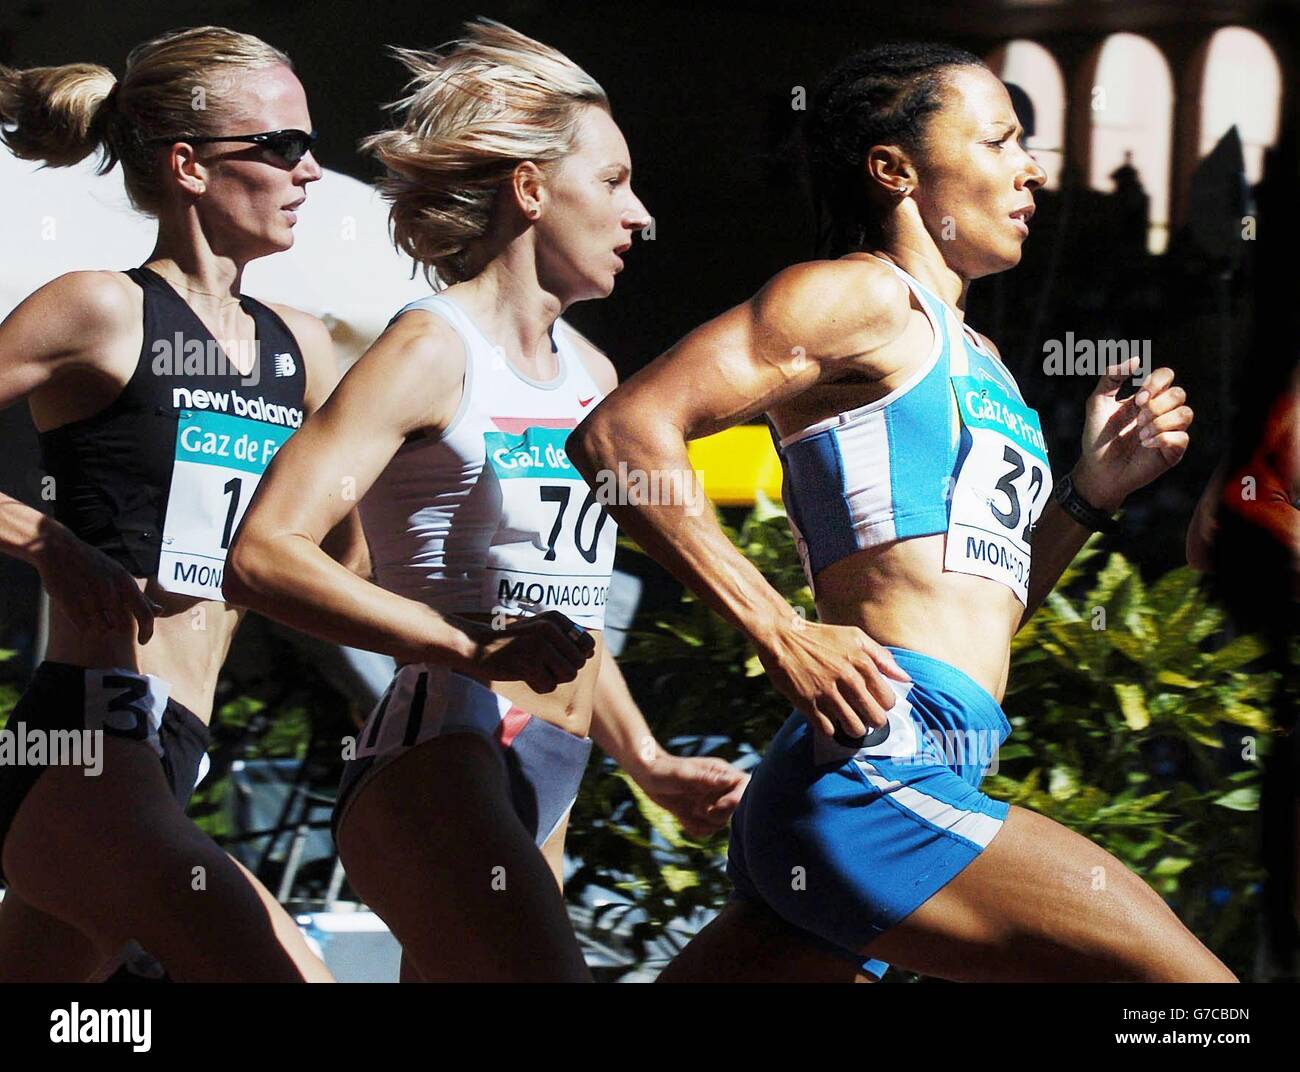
{"x": 341, "y": 268}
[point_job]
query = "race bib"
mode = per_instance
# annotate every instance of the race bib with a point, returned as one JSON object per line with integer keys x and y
{"x": 1002, "y": 488}
{"x": 219, "y": 461}
{"x": 554, "y": 549}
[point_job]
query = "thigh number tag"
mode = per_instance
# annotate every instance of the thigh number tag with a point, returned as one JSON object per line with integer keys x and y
{"x": 219, "y": 461}
{"x": 1003, "y": 486}
{"x": 124, "y": 703}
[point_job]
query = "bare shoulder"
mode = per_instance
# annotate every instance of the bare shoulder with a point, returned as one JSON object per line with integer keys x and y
{"x": 310, "y": 332}
{"x": 598, "y": 366}
{"x": 426, "y": 340}
{"x": 317, "y": 349}
{"x": 77, "y": 319}
{"x": 989, "y": 343}
{"x": 413, "y": 374}
{"x": 840, "y": 308}
{"x": 307, "y": 329}
{"x": 90, "y": 300}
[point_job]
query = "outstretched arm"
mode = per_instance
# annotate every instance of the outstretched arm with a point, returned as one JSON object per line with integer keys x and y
{"x": 346, "y": 542}
{"x": 407, "y": 384}
{"x": 807, "y": 322}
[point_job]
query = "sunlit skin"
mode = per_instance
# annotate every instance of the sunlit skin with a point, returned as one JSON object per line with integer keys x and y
{"x": 580, "y": 214}
{"x": 242, "y": 195}
{"x": 561, "y": 242}
{"x": 225, "y": 207}
{"x": 440, "y": 812}
{"x": 822, "y": 338}
{"x": 591, "y": 213}
{"x": 69, "y": 350}
{"x": 974, "y": 179}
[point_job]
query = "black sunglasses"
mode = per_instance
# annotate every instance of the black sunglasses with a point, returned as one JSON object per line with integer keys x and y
{"x": 289, "y": 145}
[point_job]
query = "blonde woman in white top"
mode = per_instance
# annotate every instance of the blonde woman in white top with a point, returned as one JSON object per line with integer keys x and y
{"x": 510, "y": 179}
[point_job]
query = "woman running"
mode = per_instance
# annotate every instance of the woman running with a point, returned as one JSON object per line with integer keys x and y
{"x": 915, "y": 479}
{"x": 159, "y": 394}
{"x": 510, "y": 179}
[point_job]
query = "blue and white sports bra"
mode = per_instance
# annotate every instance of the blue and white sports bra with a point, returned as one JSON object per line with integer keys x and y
{"x": 955, "y": 449}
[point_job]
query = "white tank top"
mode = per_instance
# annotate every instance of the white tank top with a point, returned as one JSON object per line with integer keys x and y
{"x": 492, "y": 516}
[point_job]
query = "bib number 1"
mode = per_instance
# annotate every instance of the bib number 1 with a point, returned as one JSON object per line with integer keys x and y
{"x": 218, "y": 464}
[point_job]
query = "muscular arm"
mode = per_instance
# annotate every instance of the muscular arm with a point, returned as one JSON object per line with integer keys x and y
{"x": 60, "y": 328}
{"x": 1057, "y": 539}
{"x": 808, "y": 321}
{"x": 63, "y": 328}
{"x": 617, "y": 724}
{"x": 1126, "y": 444}
{"x": 346, "y": 542}
{"x": 407, "y": 383}
{"x": 731, "y": 369}
{"x": 702, "y": 791}
{"x": 68, "y": 326}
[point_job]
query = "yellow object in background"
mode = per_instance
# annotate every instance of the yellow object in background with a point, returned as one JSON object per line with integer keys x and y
{"x": 736, "y": 463}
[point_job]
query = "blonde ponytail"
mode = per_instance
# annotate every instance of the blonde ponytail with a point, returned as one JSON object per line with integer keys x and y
{"x": 175, "y": 85}
{"x": 54, "y": 114}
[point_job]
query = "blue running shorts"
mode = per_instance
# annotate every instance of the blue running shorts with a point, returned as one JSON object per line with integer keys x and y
{"x": 844, "y": 842}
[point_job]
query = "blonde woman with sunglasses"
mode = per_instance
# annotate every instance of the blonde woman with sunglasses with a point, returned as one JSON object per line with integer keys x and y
{"x": 159, "y": 394}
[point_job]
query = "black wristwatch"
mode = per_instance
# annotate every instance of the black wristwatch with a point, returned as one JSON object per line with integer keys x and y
{"x": 1081, "y": 510}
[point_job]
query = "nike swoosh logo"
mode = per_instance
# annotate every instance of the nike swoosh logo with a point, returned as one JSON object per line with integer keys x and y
{"x": 585, "y": 401}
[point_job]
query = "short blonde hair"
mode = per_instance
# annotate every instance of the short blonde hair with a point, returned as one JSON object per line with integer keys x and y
{"x": 475, "y": 110}
{"x": 61, "y": 115}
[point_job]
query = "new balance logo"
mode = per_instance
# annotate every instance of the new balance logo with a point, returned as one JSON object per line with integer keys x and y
{"x": 284, "y": 365}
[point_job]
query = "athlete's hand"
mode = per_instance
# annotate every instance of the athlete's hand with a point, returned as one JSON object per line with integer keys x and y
{"x": 542, "y": 651}
{"x": 97, "y": 594}
{"x": 834, "y": 674}
{"x": 701, "y": 791}
{"x": 1127, "y": 444}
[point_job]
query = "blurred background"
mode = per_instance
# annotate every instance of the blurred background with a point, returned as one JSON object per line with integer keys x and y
{"x": 1168, "y": 132}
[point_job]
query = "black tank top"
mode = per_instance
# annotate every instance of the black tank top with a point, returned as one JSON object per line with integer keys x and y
{"x": 113, "y": 470}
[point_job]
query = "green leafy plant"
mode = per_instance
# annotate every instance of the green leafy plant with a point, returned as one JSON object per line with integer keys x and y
{"x": 9, "y": 693}
{"x": 1137, "y": 722}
